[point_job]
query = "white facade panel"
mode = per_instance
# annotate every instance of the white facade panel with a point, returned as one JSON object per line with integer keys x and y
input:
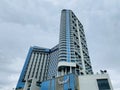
{"x": 89, "y": 82}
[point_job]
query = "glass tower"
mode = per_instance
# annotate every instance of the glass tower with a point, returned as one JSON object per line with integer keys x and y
{"x": 73, "y": 52}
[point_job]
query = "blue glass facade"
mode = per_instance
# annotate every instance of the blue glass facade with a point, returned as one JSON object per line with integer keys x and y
{"x": 68, "y": 35}
{"x": 66, "y": 82}
{"x": 45, "y": 85}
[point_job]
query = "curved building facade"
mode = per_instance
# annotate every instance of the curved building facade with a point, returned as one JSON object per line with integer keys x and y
{"x": 73, "y": 52}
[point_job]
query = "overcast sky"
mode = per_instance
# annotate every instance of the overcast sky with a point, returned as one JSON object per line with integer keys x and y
{"x": 25, "y": 23}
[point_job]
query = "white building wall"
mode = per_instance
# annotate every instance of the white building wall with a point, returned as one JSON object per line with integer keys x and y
{"x": 89, "y": 82}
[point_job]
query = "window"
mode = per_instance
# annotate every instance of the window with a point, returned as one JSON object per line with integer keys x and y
{"x": 75, "y": 25}
{"x": 103, "y": 84}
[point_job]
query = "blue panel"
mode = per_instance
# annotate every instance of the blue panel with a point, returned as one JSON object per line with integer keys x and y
{"x": 53, "y": 84}
{"x": 72, "y": 81}
{"x": 45, "y": 85}
{"x": 41, "y": 49}
{"x": 47, "y": 50}
{"x": 66, "y": 84}
{"x": 20, "y": 84}
{"x": 68, "y": 35}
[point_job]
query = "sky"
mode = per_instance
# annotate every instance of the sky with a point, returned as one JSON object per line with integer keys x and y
{"x": 25, "y": 23}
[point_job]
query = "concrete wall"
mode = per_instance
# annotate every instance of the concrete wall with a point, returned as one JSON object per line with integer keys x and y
{"x": 89, "y": 82}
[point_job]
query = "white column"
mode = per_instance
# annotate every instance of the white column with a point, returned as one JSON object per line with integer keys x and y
{"x": 81, "y": 52}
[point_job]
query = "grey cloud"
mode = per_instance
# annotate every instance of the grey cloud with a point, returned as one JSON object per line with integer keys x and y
{"x": 9, "y": 71}
{"x": 24, "y": 23}
{"x": 25, "y": 12}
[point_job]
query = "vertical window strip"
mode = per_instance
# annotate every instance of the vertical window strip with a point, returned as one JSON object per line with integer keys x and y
{"x": 68, "y": 35}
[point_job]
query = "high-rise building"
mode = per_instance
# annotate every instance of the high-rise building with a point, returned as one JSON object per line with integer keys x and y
{"x": 35, "y": 67}
{"x": 73, "y": 51}
{"x": 40, "y": 65}
{"x": 66, "y": 66}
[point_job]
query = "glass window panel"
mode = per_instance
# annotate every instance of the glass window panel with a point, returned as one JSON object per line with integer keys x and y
{"x": 66, "y": 82}
{"x": 53, "y": 84}
{"x": 72, "y": 82}
{"x": 103, "y": 84}
{"x": 45, "y": 85}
